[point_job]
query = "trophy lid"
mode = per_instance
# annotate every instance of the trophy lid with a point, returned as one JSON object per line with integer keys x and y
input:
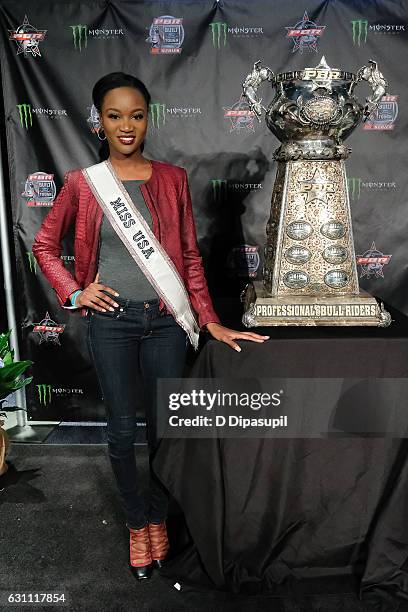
{"x": 321, "y": 76}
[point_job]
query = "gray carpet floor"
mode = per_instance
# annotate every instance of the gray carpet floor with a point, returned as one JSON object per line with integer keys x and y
{"x": 62, "y": 531}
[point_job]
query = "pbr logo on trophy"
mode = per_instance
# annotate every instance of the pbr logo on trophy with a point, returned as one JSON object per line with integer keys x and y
{"x": 310, "y": 274}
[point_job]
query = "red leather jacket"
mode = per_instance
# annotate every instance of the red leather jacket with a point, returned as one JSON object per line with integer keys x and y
{"x": 167, "y": 196}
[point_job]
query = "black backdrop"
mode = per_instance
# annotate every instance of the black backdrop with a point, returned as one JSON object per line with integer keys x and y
{"x": 193, "y": 56}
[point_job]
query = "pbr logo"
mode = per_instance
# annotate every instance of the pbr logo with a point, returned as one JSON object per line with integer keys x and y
{"x": 243, "y": 261}
{"x": 46, "y": 392}
{"x": 219, "y": 31}
{"x": 361, "y": 28}
{"x": 39, "y": 189}
{"x": 27, "y": 38}
{"x": 240, "y": 116}
{"x": 81, "y": 32}
{"x": 93, "y": 119}
{"x": 305, "y": 34}
{"x": 48, "y": 330}
{"x": 166, "y": 35}
{"x": 372, "y": 262}
{"x": 356, "y": 185}
{"x": 383, "y": 118}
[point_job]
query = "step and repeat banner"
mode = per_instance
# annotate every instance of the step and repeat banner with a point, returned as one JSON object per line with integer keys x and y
{"x": 193, "y": 57}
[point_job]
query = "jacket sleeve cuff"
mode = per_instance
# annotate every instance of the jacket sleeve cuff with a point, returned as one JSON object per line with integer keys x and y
{"x": 203, "y": 325}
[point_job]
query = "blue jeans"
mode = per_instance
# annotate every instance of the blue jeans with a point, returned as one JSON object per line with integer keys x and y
{"x": 131, "y": 348}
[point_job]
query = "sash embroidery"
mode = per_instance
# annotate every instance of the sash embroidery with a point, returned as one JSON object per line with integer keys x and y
{"x": 145, "y": 249}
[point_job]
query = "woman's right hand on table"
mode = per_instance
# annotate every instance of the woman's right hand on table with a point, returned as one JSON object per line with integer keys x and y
{"x": 93, "y": 296}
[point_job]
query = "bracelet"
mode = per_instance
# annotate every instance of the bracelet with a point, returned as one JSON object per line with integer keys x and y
{"x": 75, "y": 295}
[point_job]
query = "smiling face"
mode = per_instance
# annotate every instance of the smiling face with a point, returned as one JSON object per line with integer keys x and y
{"x": 124, "y": 119}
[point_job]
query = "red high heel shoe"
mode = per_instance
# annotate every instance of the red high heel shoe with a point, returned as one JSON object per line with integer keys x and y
{"x": 140, "y": 553}
{"x": 159, "y": 542}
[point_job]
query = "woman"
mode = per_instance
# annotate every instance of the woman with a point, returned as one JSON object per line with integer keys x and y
{"x": 138, "y": 289}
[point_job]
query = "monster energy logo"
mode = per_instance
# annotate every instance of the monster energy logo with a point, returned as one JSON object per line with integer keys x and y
{"x": 157, "y": 114}
{"x": 80, "y": 35}
{"x": 44, "y": 394}
{"x": 32, "y": 262}
{"x": 219, "y": 187}
{"x": 360, "y": 29}
{"x": 354, "y": 188}
{"x": 219, "y": 32}
{"x": 25, "y": 115}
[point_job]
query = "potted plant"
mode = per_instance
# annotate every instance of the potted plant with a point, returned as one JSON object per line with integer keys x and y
{"x": 10, "y": 380}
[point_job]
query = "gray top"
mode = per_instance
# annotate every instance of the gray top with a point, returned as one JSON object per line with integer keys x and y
{"x": 117, "y": 268}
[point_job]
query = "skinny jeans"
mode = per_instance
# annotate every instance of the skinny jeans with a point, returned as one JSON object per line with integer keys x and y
{"x": 131, "y": 347}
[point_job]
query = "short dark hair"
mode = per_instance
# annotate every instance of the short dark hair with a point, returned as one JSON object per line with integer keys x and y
{"x": 117, "y": 79}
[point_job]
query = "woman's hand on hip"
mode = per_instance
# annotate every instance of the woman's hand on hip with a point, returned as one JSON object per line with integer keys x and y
{"x": 227, "y": 335}
{"x": 93, "y": 296}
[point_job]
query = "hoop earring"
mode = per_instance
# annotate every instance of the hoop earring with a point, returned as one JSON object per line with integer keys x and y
{"x": 99, "y": 131}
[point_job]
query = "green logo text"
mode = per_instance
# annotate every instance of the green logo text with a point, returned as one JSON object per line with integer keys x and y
{"x": 219, "y": 189}
{"x": 354, "y": 188}
{"x": 80, "y": 36}
{"x": 25, "y": 115}
{"x": 157, "y": 114}
{"x": 44, "y": 393}
{"x": 360, "y": 29}
{"x": 219, "y": 34}
{"x": 32, "y": 262}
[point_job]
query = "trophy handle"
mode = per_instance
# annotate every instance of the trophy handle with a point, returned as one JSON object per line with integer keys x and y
{"x": 251, "y": 84}
{"x": 379, "y": 85}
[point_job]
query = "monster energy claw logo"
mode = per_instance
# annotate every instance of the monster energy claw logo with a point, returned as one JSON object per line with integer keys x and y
{"x": 25, "y": 115}
{"x": 44, "y": 394}
{"x": 360, "y": 29}
{"x": 80, "y": 35}
{"x": 219, "y": 188}
{"x": 158, "y": 114}
{"x": 219, "y": 32}
{"x": 32, "y": 262}
{"x": 354, "y": 188}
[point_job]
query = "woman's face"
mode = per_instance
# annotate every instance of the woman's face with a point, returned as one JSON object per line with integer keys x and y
{"x": 124, "y": 119}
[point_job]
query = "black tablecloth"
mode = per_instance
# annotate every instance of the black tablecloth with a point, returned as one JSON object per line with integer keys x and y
{"x": 264, "y": 514}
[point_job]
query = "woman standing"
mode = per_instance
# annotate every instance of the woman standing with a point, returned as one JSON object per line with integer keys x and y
{"x": 139, "y": 280}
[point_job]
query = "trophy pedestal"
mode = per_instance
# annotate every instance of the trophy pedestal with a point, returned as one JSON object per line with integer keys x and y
{"x": 346, "y": 310}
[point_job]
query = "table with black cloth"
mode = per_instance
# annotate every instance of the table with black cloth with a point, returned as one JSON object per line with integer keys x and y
{"x": 265, "y": 515}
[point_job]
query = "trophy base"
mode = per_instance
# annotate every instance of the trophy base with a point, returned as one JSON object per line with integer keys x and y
{"x": 312, "y": 311}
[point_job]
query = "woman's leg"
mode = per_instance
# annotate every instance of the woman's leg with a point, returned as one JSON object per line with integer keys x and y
{"x": 113, "y": 343}
{"x": 162, "y": 355}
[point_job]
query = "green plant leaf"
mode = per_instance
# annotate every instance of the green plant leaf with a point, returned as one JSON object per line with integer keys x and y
{"x": 7, "y": 389}
{"x": 4, "y": 343}
{"x": 13, "y": 370}
{"x": 8, "y": 358}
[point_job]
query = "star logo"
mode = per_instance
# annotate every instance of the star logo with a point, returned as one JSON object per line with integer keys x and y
{"x": 305, "y": 34}
{"x": 48, "y": 330}
{"x": 27, "y": 38}
{"x": 372, "y": 262}
{"x": 240, "y": 115}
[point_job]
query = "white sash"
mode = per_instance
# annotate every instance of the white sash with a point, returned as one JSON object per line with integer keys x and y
{"x": 141, "y": 243}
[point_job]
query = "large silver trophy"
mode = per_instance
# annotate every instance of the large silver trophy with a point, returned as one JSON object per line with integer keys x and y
{"x": 310, "y": 274}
